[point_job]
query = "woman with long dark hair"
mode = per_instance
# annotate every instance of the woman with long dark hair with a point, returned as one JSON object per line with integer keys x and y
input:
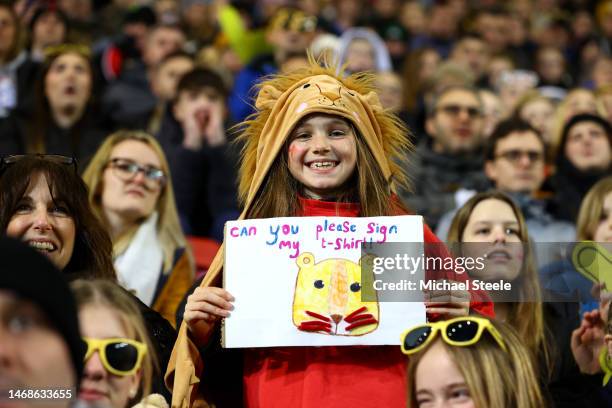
{"x": 63, "y": 119}
{"x": 43, "y": 201}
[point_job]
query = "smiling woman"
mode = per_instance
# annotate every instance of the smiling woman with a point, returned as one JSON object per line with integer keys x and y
{"x": 43, "y": 201}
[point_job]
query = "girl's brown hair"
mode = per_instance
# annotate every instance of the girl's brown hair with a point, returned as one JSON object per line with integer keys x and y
{"x": 92, "y": 254}
{"x": 527, "y": 315}
{"x": 99, "y": 293}
{"x": 591, "y": 209}
{"x": 495, "y": 377}
{"x": 277, "y": 197}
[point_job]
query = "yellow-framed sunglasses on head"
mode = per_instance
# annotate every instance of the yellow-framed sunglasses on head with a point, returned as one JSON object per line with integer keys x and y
{"x": 118, "y": 355}
{"x": 460, "y": 331}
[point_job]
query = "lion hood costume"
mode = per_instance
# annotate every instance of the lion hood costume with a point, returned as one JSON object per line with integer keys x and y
{"x": 283, "y": 100}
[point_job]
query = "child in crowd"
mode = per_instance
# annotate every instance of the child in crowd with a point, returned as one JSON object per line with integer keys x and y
{"x": 119, "y": 359}
{"x": 320, "y": 145}
{"x": 202, "y": 163}
{"x": 457, "y": 363}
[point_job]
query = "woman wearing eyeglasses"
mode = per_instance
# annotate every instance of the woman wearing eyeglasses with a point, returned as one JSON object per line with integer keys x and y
{"x": 131, "y": 193}
{"x": 119, "y": 363}
{"x": 469, "y": 362}
{"x": 491, "y": 227}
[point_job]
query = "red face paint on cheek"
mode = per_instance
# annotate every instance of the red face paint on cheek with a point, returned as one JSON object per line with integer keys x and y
{"x": 294, "y": 151}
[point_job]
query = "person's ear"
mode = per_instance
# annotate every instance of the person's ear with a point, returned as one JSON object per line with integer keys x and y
{"x": 430, "y": 127}
{"x": 490, "y": 170}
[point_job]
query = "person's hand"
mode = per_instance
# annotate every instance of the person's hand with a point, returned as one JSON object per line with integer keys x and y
{"x": 203, "y": 123}
{"x": 448, "y": 303}
{"x": 194, "y": 123}
{"x": 152, "y": 401}
{"x": 587, "y": 341}
{"x": 204, "y": 308}
{"x": 213, "y": 130}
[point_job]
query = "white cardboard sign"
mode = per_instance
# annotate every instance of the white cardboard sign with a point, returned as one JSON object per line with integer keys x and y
{"x": 297, "y": 281}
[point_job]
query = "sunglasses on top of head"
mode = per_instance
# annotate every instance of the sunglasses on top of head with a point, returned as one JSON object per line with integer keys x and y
{"x": 461, "y": 331}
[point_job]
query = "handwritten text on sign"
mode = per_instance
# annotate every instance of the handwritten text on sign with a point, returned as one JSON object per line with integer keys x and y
{"x": 332, "y": 233}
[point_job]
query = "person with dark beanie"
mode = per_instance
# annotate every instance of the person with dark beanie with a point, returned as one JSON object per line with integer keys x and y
{"x": 584, "y": 157}
{"x": 40, "y": 343}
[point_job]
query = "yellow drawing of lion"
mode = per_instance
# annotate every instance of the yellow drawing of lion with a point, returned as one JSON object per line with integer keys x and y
{"x": 328, "y": 299}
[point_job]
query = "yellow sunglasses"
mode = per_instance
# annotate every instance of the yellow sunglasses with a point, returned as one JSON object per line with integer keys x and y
{"x": 119, "y": 356}
{"x": 460, "y": 331}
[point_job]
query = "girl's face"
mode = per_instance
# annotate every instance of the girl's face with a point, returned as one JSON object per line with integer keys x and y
{"x": 44, "y": 223}
{"x": 493, "y": 233}
{"x": 603, "y": 232}
{"x": 429, "y": 62}
{"x": 389, "y": 85}
{"x": 580, "y": 101}
{"x": 322, "y": 154}
{"x": 539, "y": 114}
{"x": 588, "y": 146}
{"x": 360, "y": 56}
{"x": 98, "y": 386}
{"x": 439, "y": 382}
{"x": 68, "y": 82}
{"x": 128, "y": 196}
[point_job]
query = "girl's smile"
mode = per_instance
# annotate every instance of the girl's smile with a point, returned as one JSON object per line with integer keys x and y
{"x": 322, "y": 154}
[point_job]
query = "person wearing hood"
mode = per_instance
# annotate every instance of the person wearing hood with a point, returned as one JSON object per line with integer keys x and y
{"x": 584, "y": 157}
{"x": 446, "y": 168}
{"x": 361, "y": 49}
{"x": 320, "y": 145}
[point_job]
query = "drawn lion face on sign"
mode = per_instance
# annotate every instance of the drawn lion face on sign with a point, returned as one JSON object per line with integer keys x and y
{"x": 328, "y": 297}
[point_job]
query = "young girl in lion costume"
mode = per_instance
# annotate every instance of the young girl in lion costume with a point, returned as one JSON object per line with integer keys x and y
{"x": 319, "y": 145}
